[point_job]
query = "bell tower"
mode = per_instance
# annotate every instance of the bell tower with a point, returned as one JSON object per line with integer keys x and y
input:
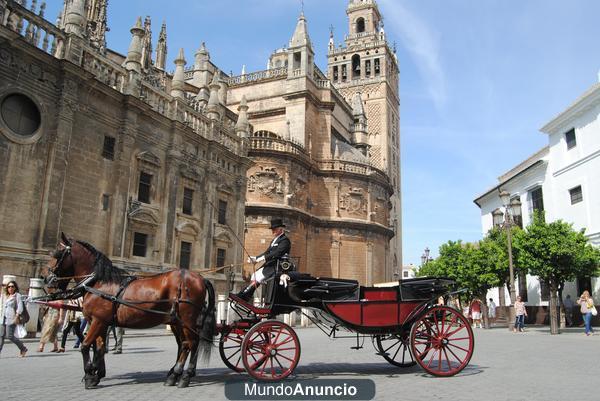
{"x": 365, "y": 64}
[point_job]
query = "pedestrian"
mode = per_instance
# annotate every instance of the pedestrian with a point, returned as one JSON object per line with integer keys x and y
{"x": 586, "y": 303}
{"x": 70, "y": 319}
{"x": 492, "y": 311}
{"x": 520, "y": 312}
{"x": 82, "y": 328}
{"x": 13, "y": 309}
{"x": 475, "y": 310}
{"x": 568, "y": 303}
{"x": 279, "y": 246}
{"x": 50, "y": 329}
{"x": 466, "y": 310}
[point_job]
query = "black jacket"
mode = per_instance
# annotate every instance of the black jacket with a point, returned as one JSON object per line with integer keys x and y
{"x": 275, "y": 251}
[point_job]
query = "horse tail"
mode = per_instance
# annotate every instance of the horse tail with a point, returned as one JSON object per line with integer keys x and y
{"x": 207, "y": 323}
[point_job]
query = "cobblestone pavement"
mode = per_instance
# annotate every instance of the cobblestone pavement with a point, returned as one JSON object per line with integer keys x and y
{"x": 505, "y": 366}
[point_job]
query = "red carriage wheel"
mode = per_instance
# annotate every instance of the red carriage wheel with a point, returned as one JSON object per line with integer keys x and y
{"x": 442, "y": 341}
{"x": 395, "y": 348}
{"x": 270, "y": 351}
{"x": 230, "y": 349}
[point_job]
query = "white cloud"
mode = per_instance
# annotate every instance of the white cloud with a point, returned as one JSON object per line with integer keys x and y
{"x": 421, "y": 42}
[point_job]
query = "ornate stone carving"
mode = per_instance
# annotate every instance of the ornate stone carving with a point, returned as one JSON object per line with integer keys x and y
{"x": 299, "y": 192}
{"x": 190, "y": 173}
{"x": 267, "y": 181}
{"x": 353, "y": 201}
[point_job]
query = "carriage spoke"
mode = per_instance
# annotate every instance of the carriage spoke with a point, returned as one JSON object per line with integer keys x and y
{"x": 259, "y": 362}
{"x": 452, "y": 352}
{"x": 432, "y": 358}
{"x": 456, "y": 346}
{"x": 388, "y": 348}
{"x": 279, "y": 363}
{"x": 447, "y": 359}
{"x": 285, "y": 357}
{"x": 284, "y": 342}
{"x": 455, "y": 331}
{"x": 396, "y": 353}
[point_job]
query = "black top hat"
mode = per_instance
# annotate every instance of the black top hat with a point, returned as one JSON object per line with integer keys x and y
{"x": 275, "y": 223}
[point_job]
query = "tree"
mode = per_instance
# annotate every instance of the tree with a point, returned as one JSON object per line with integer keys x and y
{"x": 555, "y": 253}
{"x": 476, "y": 267}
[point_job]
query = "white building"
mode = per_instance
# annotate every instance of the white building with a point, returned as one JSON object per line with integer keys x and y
{"x": 563, "y": 179}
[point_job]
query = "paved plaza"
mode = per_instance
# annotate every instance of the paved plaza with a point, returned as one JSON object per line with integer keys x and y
{"x": 505, "y": 366}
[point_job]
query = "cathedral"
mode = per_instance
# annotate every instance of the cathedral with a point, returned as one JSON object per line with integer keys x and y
{"x": 185, "y": 169}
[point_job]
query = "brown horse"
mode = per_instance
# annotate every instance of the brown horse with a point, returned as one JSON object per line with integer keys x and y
{"x": 176, "y": 297}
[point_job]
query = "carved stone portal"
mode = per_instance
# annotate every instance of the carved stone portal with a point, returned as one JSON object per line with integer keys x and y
{"x": 266, "y": 181}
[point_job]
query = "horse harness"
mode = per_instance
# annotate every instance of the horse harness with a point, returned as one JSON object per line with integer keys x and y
{"x": 117, "y": 300}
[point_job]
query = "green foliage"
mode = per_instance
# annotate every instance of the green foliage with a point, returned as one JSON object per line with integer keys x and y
{"x": 474, "y": 266}
{"x": 499, "y": 237}
{"x": 555, "y": 252}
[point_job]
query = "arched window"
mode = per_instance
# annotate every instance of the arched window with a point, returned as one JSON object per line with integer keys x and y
{"x": 356, "y": 66}
{"x": 360, "y": 25}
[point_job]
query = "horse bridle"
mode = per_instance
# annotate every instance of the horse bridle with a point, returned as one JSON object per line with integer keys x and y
{"x": 52, "y": 277}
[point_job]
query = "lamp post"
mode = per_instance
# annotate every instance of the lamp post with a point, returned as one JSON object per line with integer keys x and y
{"x": 506, "y": 220}
{"x": 425, "y": 256}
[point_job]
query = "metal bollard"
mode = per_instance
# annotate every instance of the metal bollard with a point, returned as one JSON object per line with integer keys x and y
{"x": 304, "y": 322}
{"x": 221, "y": 308}
{"x": 36, "y": 289}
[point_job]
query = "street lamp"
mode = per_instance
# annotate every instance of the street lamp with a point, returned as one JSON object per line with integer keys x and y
{"x": 506, "y": 220}
{"x": 425, "y": 256}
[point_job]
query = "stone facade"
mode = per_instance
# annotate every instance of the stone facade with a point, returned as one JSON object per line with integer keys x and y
{"x": 291, "y": 141}
{"x": 120, "y": 154}
{"x": 326, "y": 153}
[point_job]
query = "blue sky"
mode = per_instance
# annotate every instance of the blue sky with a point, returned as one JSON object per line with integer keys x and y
{"x": 477, "y": 81}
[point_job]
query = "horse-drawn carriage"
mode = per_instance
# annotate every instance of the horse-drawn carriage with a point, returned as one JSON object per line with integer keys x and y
{"x": 405, "y": 324}
{"x": 404, "y": 321}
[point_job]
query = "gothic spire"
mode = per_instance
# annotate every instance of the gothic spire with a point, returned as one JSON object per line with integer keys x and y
{"x": 97, "y": 24}
{"x": 161, "y": 47}
{"x": 74, "y": 18}
{"x": 213, "y": 101}
{"x": 178, "y": 82}
{"x": 147, "y": 44}
{"x": 134, "y": 54}
{"x": 300, "y": 36}
{"x": 241, "y": 126}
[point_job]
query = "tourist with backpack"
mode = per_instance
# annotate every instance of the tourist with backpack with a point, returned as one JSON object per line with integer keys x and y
{"x": 14, "y": 313}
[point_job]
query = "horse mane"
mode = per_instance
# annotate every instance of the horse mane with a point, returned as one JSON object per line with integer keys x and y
{"x": 104, "y": 270}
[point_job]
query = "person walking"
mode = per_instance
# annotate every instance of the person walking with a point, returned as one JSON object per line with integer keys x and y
{"x": 520, "y": 312}
{"x": 492, "y": 311}
{"x": 586, "y": 304}
{"x": 13, "y": 309}
{"x": 50, "y": 329}
{"x": 72, "y": 321}
{"x": 568, "y": 302}
{"x": 82, "y": 328}
{"x": 475, "y": 311}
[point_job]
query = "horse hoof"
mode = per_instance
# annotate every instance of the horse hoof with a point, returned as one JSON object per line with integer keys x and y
{"x": 91, "y": 383}
{"x": 171, "y": 380}
{"x": 183, "y": 382}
